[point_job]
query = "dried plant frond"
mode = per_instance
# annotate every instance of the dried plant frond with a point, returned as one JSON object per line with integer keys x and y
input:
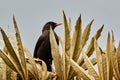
{"x": 74, "y": 62}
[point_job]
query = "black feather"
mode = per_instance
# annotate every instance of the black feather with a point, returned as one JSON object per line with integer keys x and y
{"x": 43, "y": 49}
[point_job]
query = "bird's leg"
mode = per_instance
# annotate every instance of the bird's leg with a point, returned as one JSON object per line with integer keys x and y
{"x": 52, "y": 68}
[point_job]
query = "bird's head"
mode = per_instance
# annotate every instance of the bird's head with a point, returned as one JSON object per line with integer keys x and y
{"x": 50, "y": 24}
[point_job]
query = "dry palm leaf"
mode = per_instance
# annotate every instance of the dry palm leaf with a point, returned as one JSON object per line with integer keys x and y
{"x": 56, "y": 55}
{"x": 79, "y": 70}
{"x": 12, "y": 54}
{"x": 108, "y": 55}
{"x": 90, "y": 67}
{"x": 20, "y": 49}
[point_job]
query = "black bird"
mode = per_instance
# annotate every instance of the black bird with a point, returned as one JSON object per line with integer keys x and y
{"x": 43, "y": 48}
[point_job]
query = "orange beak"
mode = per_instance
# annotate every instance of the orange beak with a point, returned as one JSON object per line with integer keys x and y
{"x": 58, "y": 24}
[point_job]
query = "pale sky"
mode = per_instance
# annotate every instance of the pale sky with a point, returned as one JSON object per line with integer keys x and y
{"x": 31, "y": 15}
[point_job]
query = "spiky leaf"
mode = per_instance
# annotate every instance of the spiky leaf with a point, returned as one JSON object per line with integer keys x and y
{"x": 20, "y": 49}
{"x": 79, "y": 70}
{"x": 56, "y": 55}
{"x": 12, "y": 53}
{"x": 90, "y": 67}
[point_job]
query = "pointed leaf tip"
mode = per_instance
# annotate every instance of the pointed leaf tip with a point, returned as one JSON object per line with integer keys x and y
{"x": 119, "y": 44}
{"x": 79, "y": 17}
{"x": 108, "y": 37}
{"x": 14, "y": 21}
{"x": 91, "y": 21}
{"x": 108, "y": 33}
{"x": 64, "y": 13}
{"x": 102, "y": 26}
{"x": 0, "y": 28}
{"x": 13, "y": 17}
{"x": 112, "y": 32}
{"x": 113, "y": 36}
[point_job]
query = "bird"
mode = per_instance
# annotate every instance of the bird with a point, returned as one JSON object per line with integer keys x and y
{"x": 43, "y": 48}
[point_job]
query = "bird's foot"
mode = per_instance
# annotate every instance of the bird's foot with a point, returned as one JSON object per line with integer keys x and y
{"x": 53, "y": 70}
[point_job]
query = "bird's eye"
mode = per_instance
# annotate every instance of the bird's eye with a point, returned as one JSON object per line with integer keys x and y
{"x": 49, "y": 59}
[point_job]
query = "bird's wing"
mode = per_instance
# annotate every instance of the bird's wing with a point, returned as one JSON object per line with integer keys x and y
{"x": 39, "y": 42}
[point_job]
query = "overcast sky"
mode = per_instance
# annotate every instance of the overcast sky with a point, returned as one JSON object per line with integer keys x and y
{"x": 31, "y": 15}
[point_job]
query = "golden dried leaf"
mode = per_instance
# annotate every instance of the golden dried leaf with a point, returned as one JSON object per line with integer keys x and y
{"x": 79, "y": 70}
{"x": 56, "y": 55}
{"x": 67, "y": 46}
{"x": 90, "y": 47}
{"x": 118, "y": 56}
{"x": 114, "y": 59}
{"x": 20, "y": 49}
{"x": 90, "y": 67}
{"x": 93, "y": 61}
{"x": 32, "y": 61}
{"x": 76, "y": 39}
{"x": 99, "y": 59}
{"x": 75, "y": 43}
{"x": 12, "y": 54}
{"x": 109, "y": 65}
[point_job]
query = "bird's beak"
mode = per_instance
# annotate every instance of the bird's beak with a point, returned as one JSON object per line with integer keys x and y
{"x": 58, "y": 24}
